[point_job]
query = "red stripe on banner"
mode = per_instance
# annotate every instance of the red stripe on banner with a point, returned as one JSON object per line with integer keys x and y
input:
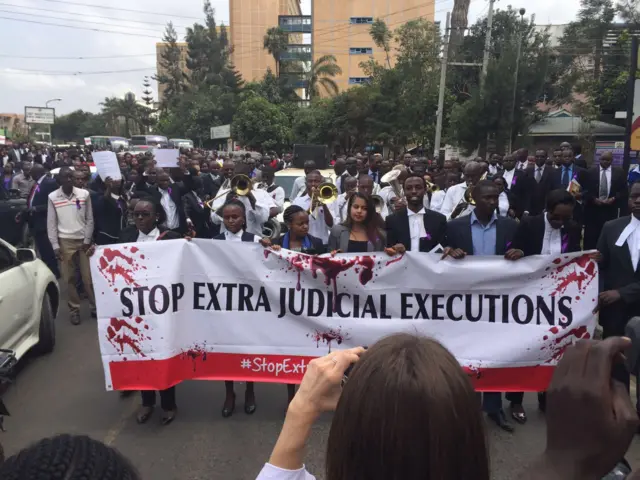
{"x": 199, "y": 365}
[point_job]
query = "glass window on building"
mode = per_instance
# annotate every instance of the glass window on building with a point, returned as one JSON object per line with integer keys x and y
{"x": 361, "y": 20}
{"x": 361, "y": 51}
{"x": 358, "y": 80}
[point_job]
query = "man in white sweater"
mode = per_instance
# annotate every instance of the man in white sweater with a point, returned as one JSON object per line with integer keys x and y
{"x": 70, "y": 231}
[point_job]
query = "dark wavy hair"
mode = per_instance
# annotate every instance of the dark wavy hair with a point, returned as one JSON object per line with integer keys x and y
{"x": 372, "y": 222}
{"x": 71, "y": 457}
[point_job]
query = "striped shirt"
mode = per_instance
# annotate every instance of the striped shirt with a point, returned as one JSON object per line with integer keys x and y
{"x": 69, "y": 216}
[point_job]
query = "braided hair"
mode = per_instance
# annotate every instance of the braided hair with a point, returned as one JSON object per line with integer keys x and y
{"x": 68, "y": 457}
{"x": 290, "y": 212}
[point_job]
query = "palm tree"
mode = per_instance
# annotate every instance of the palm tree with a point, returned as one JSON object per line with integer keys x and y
{"x": 276, "y": 41}
{"x": 115, "y": 108}
{"x": 382, "y": 36}
{"x": 321, "y": 74}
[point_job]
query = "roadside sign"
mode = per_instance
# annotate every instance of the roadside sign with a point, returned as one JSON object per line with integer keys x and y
{"x": 223, "y": 131}
{"x": 41, "y": 115}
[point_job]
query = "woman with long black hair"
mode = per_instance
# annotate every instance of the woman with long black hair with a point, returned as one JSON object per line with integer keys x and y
{"x": 362, "y": 231}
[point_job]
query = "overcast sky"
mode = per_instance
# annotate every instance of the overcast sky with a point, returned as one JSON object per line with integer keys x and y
{"x": 133, "y": 48}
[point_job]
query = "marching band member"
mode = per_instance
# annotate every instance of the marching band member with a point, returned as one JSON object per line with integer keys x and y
{"x": 235, "y": 221}
{"x": 414, "y": 227}
{"x": 362, "y": 230}
{"x": 517, "y": 185}
{"x": 321, "y": 219}
{"x": 275, "y": 191}
{"x": 299, "y": 183}
{"x": 437, "y": 198}
{"x": 483, "y": 233}
{"x": 391, "y": 193}
{"x": 257, "y": 203}
{"x": 339, "y": 207}
{"x": 503, "y": 200}
{"x": 454, "y": 204}
{"x": 367, "y": 186}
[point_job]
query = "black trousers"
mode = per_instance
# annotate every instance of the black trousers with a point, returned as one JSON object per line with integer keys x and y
{"x": 167, "y": 398}
{"x": 45, "y": 250}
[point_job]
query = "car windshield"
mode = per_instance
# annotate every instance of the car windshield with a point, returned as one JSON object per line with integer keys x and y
{"x": 286, "y": 182}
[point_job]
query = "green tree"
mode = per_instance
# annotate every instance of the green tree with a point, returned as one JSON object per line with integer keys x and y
{"x": 479, "y": 116}
{"x": 173, "y": 78}
{"x": 321, "y": 74}
{"x": 78, "y": 124}
{"x": 382, "y": 37}
{"x": 147, "y": 93}
{"x": 275, "y": 42}
{"x": 261, "y": 126}
{"x": 127, "y": 109}
{"x": 276, "y": 90}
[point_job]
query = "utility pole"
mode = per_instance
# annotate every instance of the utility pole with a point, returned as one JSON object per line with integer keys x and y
{"x": 487, "y": 46}
{"x": 515, "y": 81}
{"x": 443, "y": 86}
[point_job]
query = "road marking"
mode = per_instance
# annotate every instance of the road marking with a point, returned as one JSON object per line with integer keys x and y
{"x": 130, "y": 407}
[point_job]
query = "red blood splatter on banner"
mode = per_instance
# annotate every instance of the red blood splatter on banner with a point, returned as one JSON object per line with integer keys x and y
{"x": 395, "y": 260}
{"x": 120, "y": 333}
{"x": 329, "y": 336}
{"x": 580, "y": 272}
{"x": 115, "y": 265}
{"x": 134, "y": 249}
{"x": 556, "y": 345}
{"x": 266, "y": 253}
{"x": 195, "y": 353}
{"x": 557, "y": 261}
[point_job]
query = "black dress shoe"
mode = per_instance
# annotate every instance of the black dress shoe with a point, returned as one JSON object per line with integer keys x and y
{"x": 250, "y": 408}
{"x": 500, "y": 420}
{"x": 542, "y": 401}
{"x": 228, "y": 411}
{"x": 518, "y": 414}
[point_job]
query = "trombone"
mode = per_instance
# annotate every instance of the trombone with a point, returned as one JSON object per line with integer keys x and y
{"x": 432, "y": 187}
{"x": 326, "y": 193}
{"x": 240, "y": 185}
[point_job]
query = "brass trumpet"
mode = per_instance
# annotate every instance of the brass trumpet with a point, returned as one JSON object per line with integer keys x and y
{"x": 326, "y": 193}
{"x": 240, "y": 185}
{"x": 432, "y": 187}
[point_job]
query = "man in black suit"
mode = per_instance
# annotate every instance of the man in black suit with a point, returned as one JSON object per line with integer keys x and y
{"x": 619, "y": 247}
{"x": 562, "y": 178}
{"x": 169, "y": 196}
{"x": 415, "y": 228}
{"x": 541, "y": 178}
{"x": 197, "y": 213}
{"x": 37, "y": 203}
{"x": 550, "y": 233}
{"x": 483, "y": 233}
{"x": 605, "y": 193}
{"x": 211, "y": 178}
{"x": 516, "y": 185}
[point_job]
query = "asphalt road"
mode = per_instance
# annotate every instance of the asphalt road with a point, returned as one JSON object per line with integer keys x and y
{"x": 64, "y": 393}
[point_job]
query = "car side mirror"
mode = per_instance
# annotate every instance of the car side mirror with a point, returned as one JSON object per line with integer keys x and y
{"x": 25, "y": 255}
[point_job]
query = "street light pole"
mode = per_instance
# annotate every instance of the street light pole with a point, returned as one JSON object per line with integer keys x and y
{"x": 46, "y": 105}
{"x": 515, "y": 80}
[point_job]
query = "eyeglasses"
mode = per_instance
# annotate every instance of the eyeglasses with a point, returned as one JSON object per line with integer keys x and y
{"x": 142, "y": 214}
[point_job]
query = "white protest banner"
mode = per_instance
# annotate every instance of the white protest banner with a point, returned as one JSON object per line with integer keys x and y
{"x": 107, "y": 165}
{"x": 176, "y": 310}
{"x": 166, "y": 157}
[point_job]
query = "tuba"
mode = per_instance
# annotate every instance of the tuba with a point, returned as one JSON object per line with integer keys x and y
{"x": 393, "y": 178}
{"x": 378, "y": 202}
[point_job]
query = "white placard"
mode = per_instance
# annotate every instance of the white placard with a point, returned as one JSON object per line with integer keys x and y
{"x": 87, "y": 141}
{"x": 166, "y": 157}
{"x": 107, "y": 165}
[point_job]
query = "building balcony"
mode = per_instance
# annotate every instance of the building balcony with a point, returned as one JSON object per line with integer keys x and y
{"x": 295, "y": 80}
{"x": 295, "y": 23}
{"x": 301, "y": 53}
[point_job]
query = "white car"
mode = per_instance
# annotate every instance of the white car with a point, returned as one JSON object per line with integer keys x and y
{"x": 29, "y": 300}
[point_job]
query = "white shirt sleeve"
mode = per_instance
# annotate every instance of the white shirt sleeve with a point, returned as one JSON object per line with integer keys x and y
{"x": 297, "y": 187}
{"x": 437, "y": 200}
{"x": 449, "y": 203}
{"x": 278, "y": 198}
{"x": 271, "y": 472}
